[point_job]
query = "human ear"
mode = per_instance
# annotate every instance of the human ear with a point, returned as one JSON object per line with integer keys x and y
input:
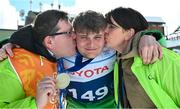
{"x": 48, "y": 42}
{"x": 130, "y": 34}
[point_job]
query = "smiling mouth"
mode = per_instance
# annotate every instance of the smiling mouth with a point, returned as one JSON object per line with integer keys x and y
{"x": 90, "y": 50}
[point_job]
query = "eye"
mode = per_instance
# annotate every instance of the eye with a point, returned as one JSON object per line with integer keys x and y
{"x": 83, "y": 36}
{"x": 98, "y": 36}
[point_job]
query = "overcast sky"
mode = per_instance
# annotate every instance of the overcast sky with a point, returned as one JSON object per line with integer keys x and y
{"x": 168, "y": 10}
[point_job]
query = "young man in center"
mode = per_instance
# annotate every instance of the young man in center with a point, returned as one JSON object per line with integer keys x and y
{"x": 92, "y": 85}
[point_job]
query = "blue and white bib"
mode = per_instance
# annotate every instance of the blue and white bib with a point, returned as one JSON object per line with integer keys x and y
{"x": 94, "y": 81}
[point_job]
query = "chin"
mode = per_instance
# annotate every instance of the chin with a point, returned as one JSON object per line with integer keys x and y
{"x": 91, "y": 56}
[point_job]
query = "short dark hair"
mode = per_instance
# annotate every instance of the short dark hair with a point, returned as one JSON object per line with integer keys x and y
{"x": 45, "y": 22}
{"x": 89, "y": 21}
{"x": 128, "y": 18}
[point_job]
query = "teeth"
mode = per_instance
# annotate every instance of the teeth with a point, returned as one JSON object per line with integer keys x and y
{"x": 62, "y": 80}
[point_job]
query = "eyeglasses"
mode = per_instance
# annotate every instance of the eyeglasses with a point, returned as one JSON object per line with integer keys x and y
{"x": 62, "y": 33}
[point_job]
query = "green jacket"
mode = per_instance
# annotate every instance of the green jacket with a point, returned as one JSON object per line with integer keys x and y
{"x": 12, "y": 94}
{"x": 160, "y": 80}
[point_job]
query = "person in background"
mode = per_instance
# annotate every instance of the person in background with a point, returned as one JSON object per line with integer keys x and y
{"x": 139, "y": 85}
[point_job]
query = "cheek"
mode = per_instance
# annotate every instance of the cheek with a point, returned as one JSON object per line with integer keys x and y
{"x": 79, "y": 46}
{"x": 79, "y": 43}
{"x": 113, "y": 40}
{"x": 100, "y": 41}
{"x": 111, "y": 37}
{"x": 56, "y": 44}
{"x": 115, "y": 36}
{"x": 103, "y": 44}
{"x": 112, "y": 34}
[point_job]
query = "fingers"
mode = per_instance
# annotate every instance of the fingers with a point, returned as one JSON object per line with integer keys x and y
{"x": 149, "y": 50}
{"x": 9, "y": 52}
{"x": 8, "y": 48}
{"x": 3, "y": 54}
{"x": 155, "y": 55}
{"x": 160, "y": 51}
{"x": 144, "y": 55}
{"x": 151, "y": 54}
{"x": 140, "y": 52}
{"x": 47, "y": 85}
{"x": 147, "y": 54}
{"x": 45, "y": 89}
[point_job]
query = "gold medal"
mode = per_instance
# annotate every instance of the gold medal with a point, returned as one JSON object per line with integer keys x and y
{"x": 63, "y": 80}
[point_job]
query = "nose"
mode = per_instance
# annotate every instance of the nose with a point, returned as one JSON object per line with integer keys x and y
{"x": 90, "y": 42}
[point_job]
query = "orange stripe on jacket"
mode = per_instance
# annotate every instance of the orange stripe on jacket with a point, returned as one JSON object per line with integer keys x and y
{"x": 30, "y": 71}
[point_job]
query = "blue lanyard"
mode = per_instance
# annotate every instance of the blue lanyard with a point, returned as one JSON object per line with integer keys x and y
{"x": 78, "y": 64}
{"x": 60, "y": 68}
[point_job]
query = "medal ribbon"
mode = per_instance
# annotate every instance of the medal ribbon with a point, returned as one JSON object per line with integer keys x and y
{"x": 60, "y": 68}
{"x": 78, "y": 64}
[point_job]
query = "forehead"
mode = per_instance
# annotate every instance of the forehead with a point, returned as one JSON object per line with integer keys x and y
{"x": 89, "y": 30}
{"x": 89, "y": 33}
{"x": 64, "y": 25}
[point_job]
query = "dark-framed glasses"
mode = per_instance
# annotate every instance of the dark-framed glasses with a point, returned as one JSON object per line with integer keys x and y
{"x": 67, "y": 33}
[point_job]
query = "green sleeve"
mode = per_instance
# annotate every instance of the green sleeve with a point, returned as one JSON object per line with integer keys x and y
{"x": 158, "y": 35}
{"x": 11, "y": 93}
